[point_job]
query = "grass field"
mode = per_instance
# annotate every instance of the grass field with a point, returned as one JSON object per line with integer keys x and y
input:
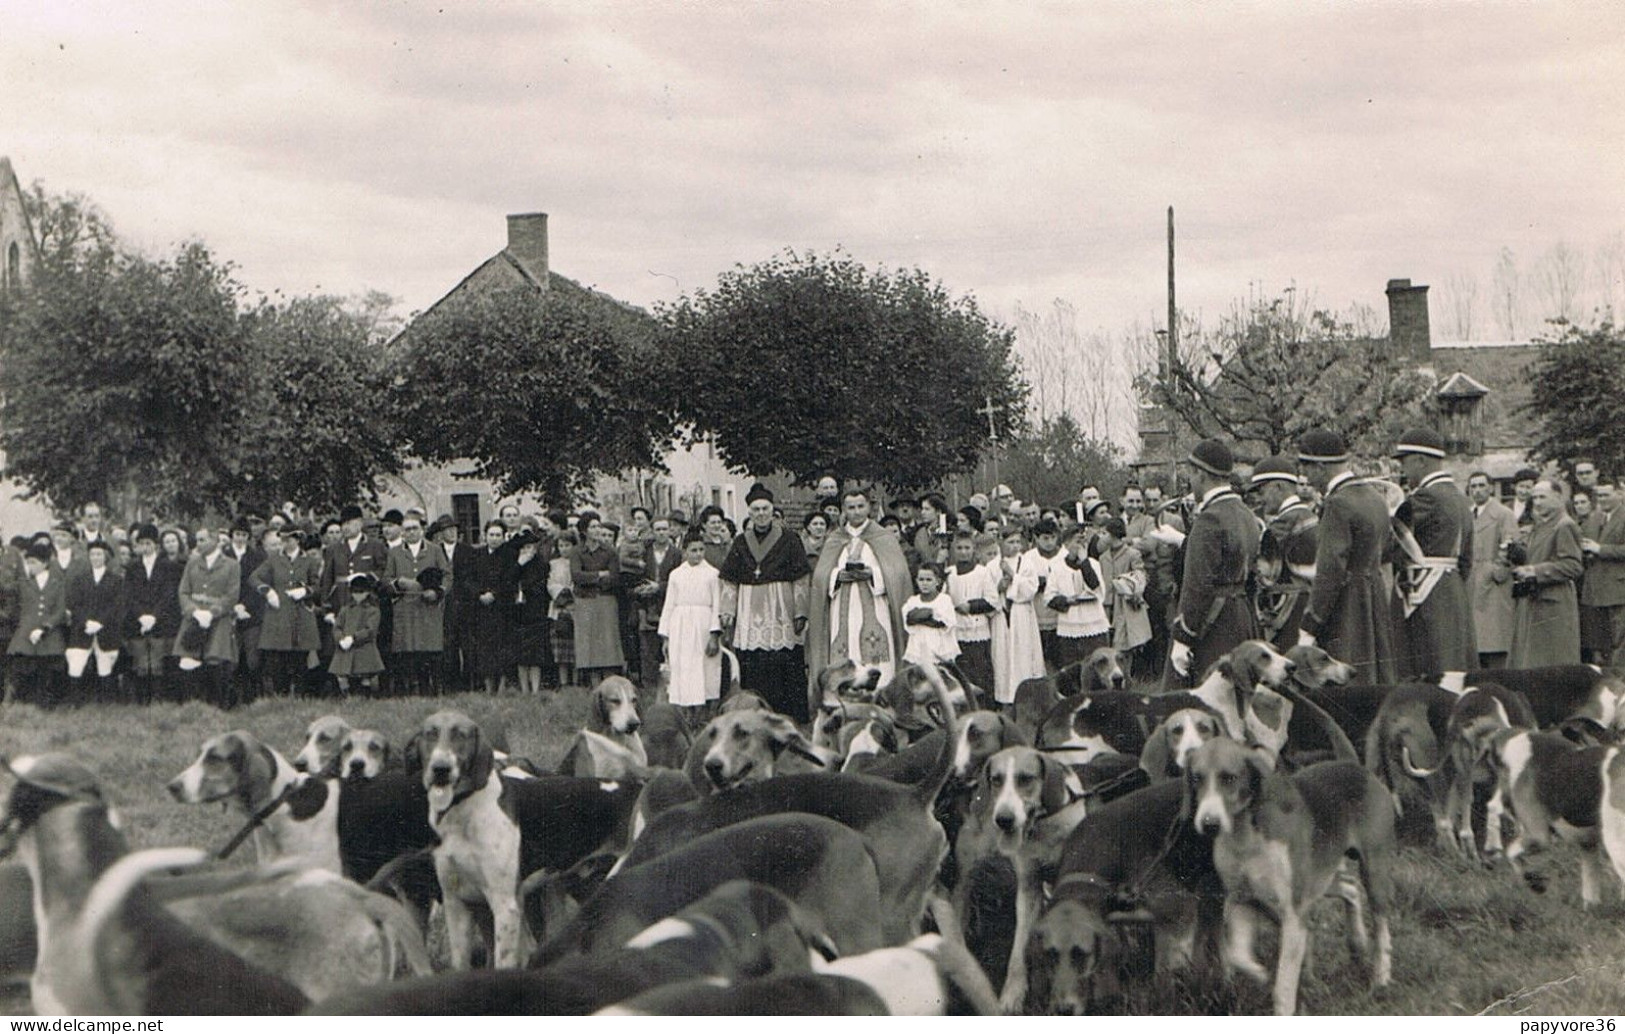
{"x": 1466, "y": 940}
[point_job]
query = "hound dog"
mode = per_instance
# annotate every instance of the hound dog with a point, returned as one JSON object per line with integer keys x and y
{"x": 826, "y": 868}
{"x": 324, "y": 739}
{"x": 1100, "y": 672}
{"x": 1170, "y": 745}
{"x": 495, "y": 829}
{"x": 1025, "y": 806}
{"x": 1279, "y": 844}
{"x": 748, "y": 746}
{"x": 844, "y": 683}
{"x": 612, "y": 714}
{"x": 1237, "y": 689}
{"x": 250, "y": 777}
{"x": 363, "y": 754}
{"x": 896, "y": 820}
{"x": 793, "y": 994}
{"x": 1554, "y": 789}
{"x": 929, "y": 976}
{"x": 828, "y": 722}
{"x": 107, "y": 947}
{"x": 913, "y": 697}
{"x": 739, "y": 931}
{"x": 1571, "y": 696}
{"x": 1475, "y": 719}
{"x": 666, "y": 736}
{"x": 1132, "y": 861}
{"x": 1611, "y": 810}
{"x": 1411, "y": 723}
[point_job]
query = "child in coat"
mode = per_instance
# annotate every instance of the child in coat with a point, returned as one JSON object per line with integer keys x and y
{"x": 691, "y": 625}
{"x": 355, "y": 637}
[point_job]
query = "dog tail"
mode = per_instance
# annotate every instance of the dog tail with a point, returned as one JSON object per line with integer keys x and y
{"x": 929, "y": 787}
{"x": 109, "y": 894}
{"x": 1342, "y": 746}
{"x": 733, "y": 671}
{"x": 384, "y": 880}
{"x": 399, "y": 935}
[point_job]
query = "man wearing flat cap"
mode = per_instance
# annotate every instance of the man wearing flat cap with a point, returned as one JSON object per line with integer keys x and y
{"x": 1433, "y": 617}
{"x": 1286, "y": 553}
{"x": 1348, "y": 607}
{"x": 1214, "y": 614}
{"x": 765, "y": 579}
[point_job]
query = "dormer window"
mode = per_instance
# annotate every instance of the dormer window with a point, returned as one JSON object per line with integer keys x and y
{"x": 1461, "y": 415}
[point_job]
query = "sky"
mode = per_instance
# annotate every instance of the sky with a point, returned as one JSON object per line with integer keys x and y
{"x": 1019, "y": 152}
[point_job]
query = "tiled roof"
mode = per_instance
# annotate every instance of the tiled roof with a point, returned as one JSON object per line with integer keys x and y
{"x": 1503, "y": 372}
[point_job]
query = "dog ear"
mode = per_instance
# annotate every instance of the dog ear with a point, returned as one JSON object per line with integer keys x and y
{"x": 1040, "y": 972}
{"x": 1260, "y": 766}
{"x": 412, "y": 755}
{"x": 1104, "y": 978}
{"x": 1055, "y": 795}
{"x": 1156, "y": 759}
{"x": 1011, "y": 734}
{"x": 785, "y": 736}
{"x": 480, "y": 762}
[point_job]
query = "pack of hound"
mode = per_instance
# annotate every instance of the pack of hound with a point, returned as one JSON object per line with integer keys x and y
{"x": 909, "y": 851}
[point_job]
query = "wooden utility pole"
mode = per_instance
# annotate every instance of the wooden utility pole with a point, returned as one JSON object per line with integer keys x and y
{"x": 1173, "y": 312}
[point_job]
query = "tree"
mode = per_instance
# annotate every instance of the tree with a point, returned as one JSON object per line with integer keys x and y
{"x": 1576, "y": 385}
{"x": 141, "y": 383}
{"x": 813, "y": 364}
{"x": 1090, "y": 376}
{"x": 539, "y": 391}
{"x": 1053, "y": 460}
{"x": 318, "y": 429}
{"x": 1277, "y": 367}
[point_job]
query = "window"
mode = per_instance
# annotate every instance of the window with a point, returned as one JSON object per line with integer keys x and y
{"x": 466, "y": 508}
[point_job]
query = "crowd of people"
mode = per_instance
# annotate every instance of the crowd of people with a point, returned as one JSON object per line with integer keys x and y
{"x": 1398, "y": 581}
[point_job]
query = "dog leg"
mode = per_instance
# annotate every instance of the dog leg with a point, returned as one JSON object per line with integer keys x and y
{"x": 1382, "y": 972}
{"x": 1588, "y": 878}
{"x": 459, "y": 931}
{"x": 509, "y": 930}
{"x": 1493, "y": 810}
{"x": 1240, "y": 927}
{"x": 1348, "y": 888}
{"x": 1289, "y": 964}
{"x": 1013, "y": 997}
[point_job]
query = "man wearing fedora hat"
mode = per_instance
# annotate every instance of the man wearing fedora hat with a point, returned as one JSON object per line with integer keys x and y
{"x": 1286, "y": 553}
{"x": 1433, "y": 618}
{"x": 1214, "y": 614}
{"x": 1347, "y": 614}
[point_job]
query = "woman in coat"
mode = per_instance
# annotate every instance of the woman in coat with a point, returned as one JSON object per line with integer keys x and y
{"x": 531, "y": 602}
{"x": 595, "y": 571}
{"x": 42, "y": 616}
{"x": 416, "y": 572}
{"x": 152, "y": 612}
{"x": 288, "y": 581}
{"x": 1546, "y": 630}
{"x": 487, "y": 594}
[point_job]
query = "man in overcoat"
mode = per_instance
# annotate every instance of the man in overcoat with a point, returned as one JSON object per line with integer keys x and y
{"x": 1348, "y": 607}
{"x": 1489, "y": 582}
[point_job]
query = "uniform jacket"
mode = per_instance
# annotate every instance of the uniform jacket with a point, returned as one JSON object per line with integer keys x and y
{"x": 214, "y": 589}
{"x": 155, "y": 595}
{"x": 1348, "y": 609}
{"x": 339, "y": 562}
{"x": 46, "y": 609}
{"x": 1215, "y": 613}
{"x": 291, "y": 624}
{"x": 1439, "y": 634}
{"x": 90, "y": 600}
{"x": 1286, "y": 572}
{"x": 1605, "y": 573}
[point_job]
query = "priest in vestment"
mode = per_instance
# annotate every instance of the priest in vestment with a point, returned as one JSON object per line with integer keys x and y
{"x": 858, "y": 589}
{"x": 764, "y": 607}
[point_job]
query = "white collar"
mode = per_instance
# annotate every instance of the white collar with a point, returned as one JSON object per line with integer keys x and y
{"x": 149, "y": 562}
{"x": 413, "y": 549}
{"x": 1288, "y": 503}
{"x": 1213, "y": 493}
{"x": 1337, "y": 482}
{"x": 355, "y": 543}
{"x": 858, "y": 531}
{"x": 42, "y": 577}
{"x": 1437, "y": 475}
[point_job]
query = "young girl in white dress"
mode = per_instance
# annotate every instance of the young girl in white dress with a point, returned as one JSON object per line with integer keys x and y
{"x": 691, "y": 625}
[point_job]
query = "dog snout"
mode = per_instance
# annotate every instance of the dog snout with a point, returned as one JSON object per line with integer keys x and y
{"x": 1290, "y": 665}
{"x": 357, "y": 766}
{"x": 440, "y": 773}
{"x": 176, "y": 788}
{"x": 634, "y": 723}
{"x": 1005, "y": 820}
{"x": 300, "y": 764}
{"x": 1117, "y": 683}
{"x": 715, "y": 770}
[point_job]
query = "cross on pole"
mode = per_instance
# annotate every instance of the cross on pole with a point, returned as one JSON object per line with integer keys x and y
{"x": 990, "y": 412}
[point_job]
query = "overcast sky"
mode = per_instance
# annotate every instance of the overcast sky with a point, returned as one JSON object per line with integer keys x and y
{"x": 1017, "y": 151}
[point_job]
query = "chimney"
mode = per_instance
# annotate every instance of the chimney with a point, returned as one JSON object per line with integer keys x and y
{"x": 1408, "y": 332}
{"x": 527, "y": 244}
